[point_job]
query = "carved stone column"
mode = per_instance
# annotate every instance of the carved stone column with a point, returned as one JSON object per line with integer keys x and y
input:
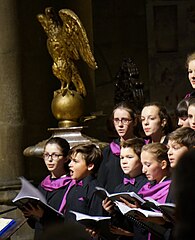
{"x": 11, "y": 117}
{"x": 11, "y": 113}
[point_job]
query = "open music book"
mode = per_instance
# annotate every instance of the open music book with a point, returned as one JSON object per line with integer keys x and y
{"x": 89, "y": 219}
{"x": 125, "y": 210}
{"x": 5, "y": 224}
{"x": 168, "y": 209}
{"x": 31, "y": 195}
{"x": 129, "y": 196}
{"x": 132, "y": 213}
{"x": 99, "y": 223}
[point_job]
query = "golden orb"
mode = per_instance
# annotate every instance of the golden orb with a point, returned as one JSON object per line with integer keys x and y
{"x": 68, "y": 108}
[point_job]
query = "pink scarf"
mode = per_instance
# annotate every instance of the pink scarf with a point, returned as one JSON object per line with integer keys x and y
{"x": 62, "y": 208}
{"x": 115, "y": 148}
{"x": 158, "y": 192}
{"x": 52, "y": 184}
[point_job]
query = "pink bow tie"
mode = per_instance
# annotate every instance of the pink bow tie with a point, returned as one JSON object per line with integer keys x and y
{"x": 129, "y": 180}
{"x": 147, "y": 141}
{"x": 79, "y": 183}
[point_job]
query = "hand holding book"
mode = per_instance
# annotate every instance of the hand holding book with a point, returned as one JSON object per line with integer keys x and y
{"x": 95, "y": 224}
{"x": 31, "y": 210}
{"x": 136, "y": 204}
{"x": 133, "y": 200}
{"x": 128, "y": 196}
{"x": 108, "y": 205}
{"x": 136, "y": 212}
{"x": 168, "y": 209}
{"x": 137, "y": 215}
{"x": 32, "y": 201}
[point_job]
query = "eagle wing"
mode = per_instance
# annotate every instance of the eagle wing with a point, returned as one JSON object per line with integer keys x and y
{"x": 75, "y": 38}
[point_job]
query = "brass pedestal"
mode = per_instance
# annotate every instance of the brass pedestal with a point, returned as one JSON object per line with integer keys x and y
{"x": 72, "y": 134}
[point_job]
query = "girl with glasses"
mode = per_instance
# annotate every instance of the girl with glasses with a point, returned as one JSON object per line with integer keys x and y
{"x": 53, "y": 187}
{"x": 124, "y": 120}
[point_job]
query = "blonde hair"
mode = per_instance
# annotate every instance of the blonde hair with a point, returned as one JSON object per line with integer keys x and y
{"x": 158, "y": 149}
{"x": 190, "y": 58}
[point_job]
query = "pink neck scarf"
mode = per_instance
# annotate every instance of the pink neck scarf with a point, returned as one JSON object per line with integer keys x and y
{"x": 115, "y": 148}
{"x": 62, "y": 208}
{"x": 52, "y": 184}
{"x": 158, "y": 192}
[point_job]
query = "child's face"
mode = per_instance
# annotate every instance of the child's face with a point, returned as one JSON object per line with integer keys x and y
{"x": 191, "y": 72}
{"x": 130, "y": 162}
{"x": 183, "y": 122}
{"x": 55, "y": 160}
{"x": 175, "y": 152}
{"x": 151, "y": 167}
{"x": 78, "y": 167}
{"x": 151, "y": 122}
{"x": 191, "y": 116}
{"x": 124, "y": 130}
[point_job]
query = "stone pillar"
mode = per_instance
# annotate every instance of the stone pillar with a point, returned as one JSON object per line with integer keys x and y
{"x": 11, "y": 113}
{"x": 11, "y": 117}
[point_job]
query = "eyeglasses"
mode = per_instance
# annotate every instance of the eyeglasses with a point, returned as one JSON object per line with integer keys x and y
{"x": 122, "y": 120}
{"x": 54, "y": 156}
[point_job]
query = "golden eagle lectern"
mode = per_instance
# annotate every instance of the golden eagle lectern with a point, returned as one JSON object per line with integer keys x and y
{"x": 67, "y": 42}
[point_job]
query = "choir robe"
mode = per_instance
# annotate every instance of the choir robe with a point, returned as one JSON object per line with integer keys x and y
{"x": 110, "y": 173}
{"x": 128, "y": 185}
{"x": 82, "y": 198}
{"x": 53, "y": 190}
{"x": 159, "y": 192}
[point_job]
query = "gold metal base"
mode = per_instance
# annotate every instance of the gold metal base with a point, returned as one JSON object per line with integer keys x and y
{"x": 67, "y": 124}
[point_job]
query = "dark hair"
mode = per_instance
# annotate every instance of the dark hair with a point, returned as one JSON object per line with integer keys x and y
{"x": 91, "y": 154}
{"x": 133, "y": 112}
{"x": 135, "y": 143}
{"x": 182, "y": 108}
{"x": 163, "y": 114}
{"x": 61, "y": 142}
{"x": 184, "y": 136}
{"x": 126, "y": 106}
{"x": 65, "y": 148}
{"x": 159, "y": 150}
{"x": 191, "y": 102}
